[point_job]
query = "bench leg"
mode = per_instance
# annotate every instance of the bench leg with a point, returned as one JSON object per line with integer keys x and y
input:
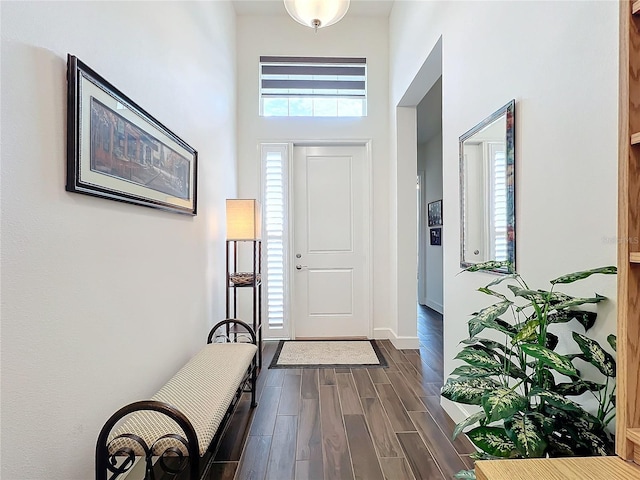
{"x": 253, "y": 386}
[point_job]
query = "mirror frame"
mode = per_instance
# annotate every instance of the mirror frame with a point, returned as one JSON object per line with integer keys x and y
{"x": 510, "y": 139}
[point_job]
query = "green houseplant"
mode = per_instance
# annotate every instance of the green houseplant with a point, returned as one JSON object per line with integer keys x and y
{"x": 522, "y": 384}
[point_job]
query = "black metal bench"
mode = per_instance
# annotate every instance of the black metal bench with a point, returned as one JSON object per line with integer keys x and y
{"x": 184, "y": 421}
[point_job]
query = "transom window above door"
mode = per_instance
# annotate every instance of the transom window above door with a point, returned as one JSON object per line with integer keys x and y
{"x": 313, "y": 86}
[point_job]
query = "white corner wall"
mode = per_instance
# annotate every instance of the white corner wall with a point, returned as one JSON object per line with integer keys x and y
{"x": 352, "y": 36}
{"x": 559, "y": 61}
{"x": 103, "y": 301}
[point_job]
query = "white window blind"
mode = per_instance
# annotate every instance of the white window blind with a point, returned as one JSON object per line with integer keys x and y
{"x": 313, "y": 86}
{"x": 274, "y": 188}
{"x": 499, "y": 204}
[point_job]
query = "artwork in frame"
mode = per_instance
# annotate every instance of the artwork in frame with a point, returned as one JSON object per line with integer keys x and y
{"x": 434, "y": 213}
{"x": 116, "y": 150}
{"x": 435, "y": 236}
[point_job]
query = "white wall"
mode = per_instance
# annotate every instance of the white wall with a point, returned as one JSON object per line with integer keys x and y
{"x": 103, "y": 301}
{"x": 353, "y": 36}
{"x": 566, "y": 134}
{"x": 432, "y": 151}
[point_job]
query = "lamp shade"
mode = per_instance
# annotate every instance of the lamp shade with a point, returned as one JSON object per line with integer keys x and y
{"x": 317, "y": 13}
{"x": 243, "y": 219}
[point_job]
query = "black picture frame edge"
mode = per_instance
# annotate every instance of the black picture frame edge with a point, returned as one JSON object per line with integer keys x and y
{"x": 441, "y": 219}
{"x": 73, "y": 183}
{"x": 73, "y": 153}
{"x": 439, "y": 236}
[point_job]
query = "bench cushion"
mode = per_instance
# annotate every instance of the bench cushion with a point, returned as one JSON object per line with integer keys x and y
{"x": 202, "y": 390}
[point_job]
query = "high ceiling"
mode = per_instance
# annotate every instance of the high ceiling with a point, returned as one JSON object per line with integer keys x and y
{"x": 363, "y": 8}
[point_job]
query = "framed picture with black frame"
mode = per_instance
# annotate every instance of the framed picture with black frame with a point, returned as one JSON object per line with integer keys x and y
{"x": 434, "y": 213}
{"x": 435, "y": 235}
{"x": 117, "y": 150}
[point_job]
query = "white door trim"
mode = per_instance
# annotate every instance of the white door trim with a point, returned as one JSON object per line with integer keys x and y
{"x": 369, "y": 188}
{"x": 422, "y": 240}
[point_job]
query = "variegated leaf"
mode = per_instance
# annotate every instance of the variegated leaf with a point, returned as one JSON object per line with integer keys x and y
{"x": 594, "y": 443}
{"x": 493, "y": 440}
{"x": 552, "y": 341}
{"x": 477, "y": 358}
{"x": 555, "y": 399}
{"x": 466, "y": 475}
{"x": 467, "y": 390}
{"x": 585, "y": 421}
{"x": 538, "y": 296}
{"x": 510, "y": 368}
{"x": 493, "y": 345}
{"x": 558, "y": 448}
{"x": 526, "y": 435}
{"x": 523, "y": 307}
{"x": 576, "y": 417}
{"x": 491, "y": 265}
{"x": 505, "y": 327}
{"x": 574, "y": 302}
{"x": 486, "y": 344}
{"x": 552, "y": 298}
{"x": 580, "y": 423}
{"x": 587, "y": 319}
{"x": 571, "y": 356}
{"x": 497, "y": 324}
{"x": 469, "y": 371}
{"x": 613, "y": 342}
{"x": 596, "y": 355}
{"x": 577, "y": 388}
{"x": 527, "y": 332}
{"x": 484, "y": 317}
{"x": 476, "y": 325}
{"x": 548, "y": 380}
{"x": 557, "y": 297}
{"x": 501, "y": 403}
{"x": 563, "y": 316}
{"x": 477, "y": 455}
{"x": 488, "y": 291}
{"x": 502, "y": 278}
{"x": 476, "y": 417}
{"x": 480, "y": 347}
{"x": 572, "y": 277}
{"x": 550, "y": 358}
{"x": 544, "y": 423}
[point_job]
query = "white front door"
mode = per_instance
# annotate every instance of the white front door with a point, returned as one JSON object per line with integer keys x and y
{"x": 331, "y": 275}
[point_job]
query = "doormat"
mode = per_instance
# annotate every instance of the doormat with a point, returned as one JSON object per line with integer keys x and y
{"x": 327, "y": 354}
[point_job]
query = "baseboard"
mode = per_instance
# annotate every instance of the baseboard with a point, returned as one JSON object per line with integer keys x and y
{"x": 435, "y": 306}
{"x": 400, "y": 342}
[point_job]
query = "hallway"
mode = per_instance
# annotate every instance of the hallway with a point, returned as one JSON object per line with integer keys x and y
{"x": 348, "y": 423}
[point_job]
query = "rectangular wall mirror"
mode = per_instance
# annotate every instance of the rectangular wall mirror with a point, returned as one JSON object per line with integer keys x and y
{"x": 487, "y": 191}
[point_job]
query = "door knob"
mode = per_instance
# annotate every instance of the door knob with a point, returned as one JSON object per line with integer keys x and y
{"x": 300, "y": 267}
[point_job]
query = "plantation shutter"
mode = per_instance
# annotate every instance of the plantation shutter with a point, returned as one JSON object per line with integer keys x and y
{"x": 274, "y": 201}
{"x": 499, "y": 201}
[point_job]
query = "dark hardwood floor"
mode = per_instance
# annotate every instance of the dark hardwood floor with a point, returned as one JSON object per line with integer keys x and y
{"x": 340, "y": 424}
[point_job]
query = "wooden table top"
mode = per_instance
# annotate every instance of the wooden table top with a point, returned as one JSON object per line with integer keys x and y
{"x": 589, "y": 468}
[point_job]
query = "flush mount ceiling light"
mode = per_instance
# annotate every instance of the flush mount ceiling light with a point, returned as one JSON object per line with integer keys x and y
{"x": 317, "y": 13}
